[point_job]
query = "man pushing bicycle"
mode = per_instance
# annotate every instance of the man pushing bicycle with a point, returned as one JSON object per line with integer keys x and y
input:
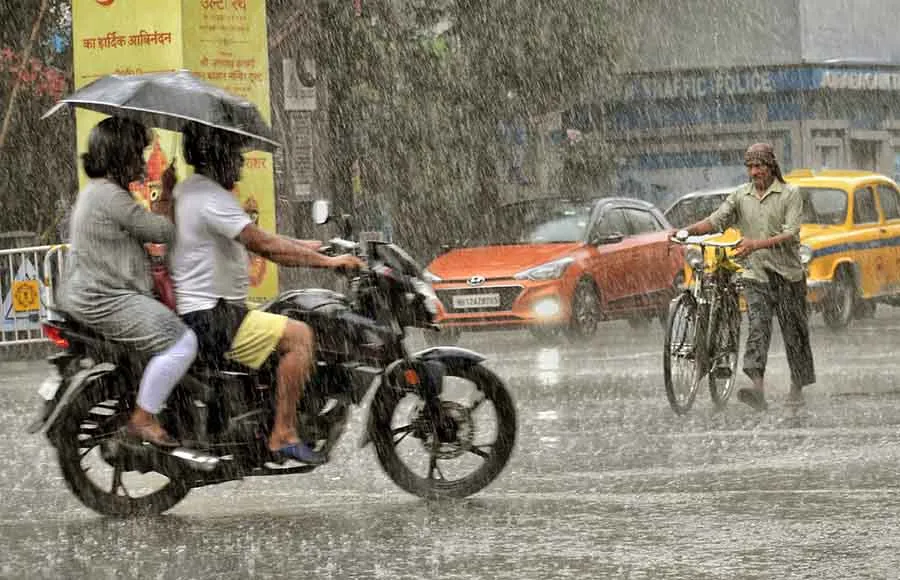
{"x": 767, "y": 211}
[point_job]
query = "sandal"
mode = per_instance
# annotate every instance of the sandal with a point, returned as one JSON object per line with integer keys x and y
{"x": 299, "y": 451}
{"x": 154, "y": 436}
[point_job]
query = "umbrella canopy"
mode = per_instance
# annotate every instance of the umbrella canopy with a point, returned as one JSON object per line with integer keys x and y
{"x": 169, "y": 100}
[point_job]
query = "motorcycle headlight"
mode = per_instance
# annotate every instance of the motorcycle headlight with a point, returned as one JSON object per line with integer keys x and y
{"x": 694, "y": 258}
{"x": 549, "y": 271}
{"x": 806, "y": 255}
{"x": 429, "y": 277}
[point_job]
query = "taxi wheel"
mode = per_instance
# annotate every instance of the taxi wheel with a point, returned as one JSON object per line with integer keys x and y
{"x": 585, "y": 312}
{"x": 838, "y": 308}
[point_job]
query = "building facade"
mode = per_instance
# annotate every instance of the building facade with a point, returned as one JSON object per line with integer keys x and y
{"x": 820, "y": 79}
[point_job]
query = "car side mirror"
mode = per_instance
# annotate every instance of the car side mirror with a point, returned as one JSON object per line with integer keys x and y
{"x": 321, "y": 209}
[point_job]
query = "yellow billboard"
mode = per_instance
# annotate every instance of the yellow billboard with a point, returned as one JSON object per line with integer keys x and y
{"x": 224, "y": 42}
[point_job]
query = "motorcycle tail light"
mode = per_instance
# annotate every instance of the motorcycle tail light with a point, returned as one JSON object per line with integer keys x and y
{"x": 55, "y": 336}
{"x": 411, "y": 376}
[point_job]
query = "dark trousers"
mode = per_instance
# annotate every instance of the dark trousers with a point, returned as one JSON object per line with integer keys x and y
{"x": 787, "y": 300}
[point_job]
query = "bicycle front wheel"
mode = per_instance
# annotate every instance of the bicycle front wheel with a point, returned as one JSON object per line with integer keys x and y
{"x": 726, "y": 340}
{"x": 681, "y": 360}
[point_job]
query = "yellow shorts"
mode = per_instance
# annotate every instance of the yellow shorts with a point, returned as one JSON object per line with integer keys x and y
{"x": 257, "y": 338}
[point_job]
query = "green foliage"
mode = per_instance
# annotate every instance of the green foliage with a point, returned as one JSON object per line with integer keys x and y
{"x": 37, "y": 172}
{"x": 419, "y": 88}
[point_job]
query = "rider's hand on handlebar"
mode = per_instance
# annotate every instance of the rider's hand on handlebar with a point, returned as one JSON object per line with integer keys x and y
{"x": 346, "y": 263}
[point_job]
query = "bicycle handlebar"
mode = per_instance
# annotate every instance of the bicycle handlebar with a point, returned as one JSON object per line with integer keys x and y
{"x": 704, "y": 241}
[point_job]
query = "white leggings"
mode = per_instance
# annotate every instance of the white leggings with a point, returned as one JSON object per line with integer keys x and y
{"x": 164, "y": 371}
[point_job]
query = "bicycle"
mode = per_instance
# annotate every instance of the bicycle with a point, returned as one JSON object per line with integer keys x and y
{"x": 703, "y": 330}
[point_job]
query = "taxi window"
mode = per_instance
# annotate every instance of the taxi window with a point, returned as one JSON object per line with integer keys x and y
{"x": 824, "y": 206}
{"x": 890, "y": 203}
{"x": 864, "y": 211}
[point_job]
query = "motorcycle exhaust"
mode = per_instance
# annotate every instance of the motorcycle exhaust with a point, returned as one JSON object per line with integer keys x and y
{"x": 196, "y": 459}
{"x": 170, "y": 461}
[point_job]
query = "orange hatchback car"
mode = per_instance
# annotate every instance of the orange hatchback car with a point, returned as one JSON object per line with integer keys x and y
{"x": 558, "y": 267}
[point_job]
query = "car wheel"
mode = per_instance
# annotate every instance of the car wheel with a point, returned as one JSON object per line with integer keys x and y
{"x": 585, "y": 312}
{"x": 838, "y": 307}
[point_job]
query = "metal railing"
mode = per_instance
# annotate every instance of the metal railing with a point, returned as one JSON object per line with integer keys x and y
{"x": 28, "y": 277}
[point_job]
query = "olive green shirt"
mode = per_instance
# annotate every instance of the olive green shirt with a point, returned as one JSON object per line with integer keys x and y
{"x": 778, "y": 212}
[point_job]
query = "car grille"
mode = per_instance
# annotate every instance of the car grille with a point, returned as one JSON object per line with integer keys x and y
{"x": 508, "y": 295}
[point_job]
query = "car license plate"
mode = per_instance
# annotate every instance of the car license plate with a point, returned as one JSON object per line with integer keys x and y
{"x": 476, "y": 301}
{"x": 48, "y": 388}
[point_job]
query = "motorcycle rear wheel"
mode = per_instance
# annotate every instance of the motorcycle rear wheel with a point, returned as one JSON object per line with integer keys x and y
{"x": 435, "y": 485}
{"x": 89, "y": 422}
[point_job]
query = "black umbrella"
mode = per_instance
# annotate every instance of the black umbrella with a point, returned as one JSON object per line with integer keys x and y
{"x": 169, "y": 100}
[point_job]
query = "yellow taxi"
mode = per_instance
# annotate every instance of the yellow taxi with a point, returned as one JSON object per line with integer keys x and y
{"x": 850, "y": 239}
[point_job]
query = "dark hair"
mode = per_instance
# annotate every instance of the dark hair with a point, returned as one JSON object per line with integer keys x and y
{"x": 206, "y": 146}
{"x": 112, "y": 145}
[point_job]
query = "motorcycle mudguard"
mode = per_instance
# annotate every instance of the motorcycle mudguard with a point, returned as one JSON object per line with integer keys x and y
{"x": 77, "y": 383}
{"x": 449, "y": 356}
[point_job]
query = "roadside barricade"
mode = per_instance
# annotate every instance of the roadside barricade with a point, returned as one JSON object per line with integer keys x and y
{"x": 27, "y": 278}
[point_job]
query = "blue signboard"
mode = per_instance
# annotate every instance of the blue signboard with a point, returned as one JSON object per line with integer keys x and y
{"x": 703, "y": 84}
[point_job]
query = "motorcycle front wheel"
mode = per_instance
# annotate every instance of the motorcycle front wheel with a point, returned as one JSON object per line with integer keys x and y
{"x": 463, "y": 454}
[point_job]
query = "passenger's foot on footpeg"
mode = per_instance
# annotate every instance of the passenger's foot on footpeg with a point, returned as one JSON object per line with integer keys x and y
{"x": 153, "y": 434}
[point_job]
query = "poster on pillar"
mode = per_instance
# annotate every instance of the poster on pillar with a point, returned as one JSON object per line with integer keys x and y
{"x": 119, "y": 37}
{"x": 225, "y": 43}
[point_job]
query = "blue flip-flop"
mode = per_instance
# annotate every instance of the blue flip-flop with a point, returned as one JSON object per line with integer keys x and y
{"x": 302, "y": 452}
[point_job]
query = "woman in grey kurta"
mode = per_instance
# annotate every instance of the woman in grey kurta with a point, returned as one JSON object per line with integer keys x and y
{"x": 108, "y": 286}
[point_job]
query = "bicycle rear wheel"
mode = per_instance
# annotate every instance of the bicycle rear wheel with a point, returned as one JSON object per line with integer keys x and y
{"x": 726, "y": 341}
{"x": 681, "y": 366}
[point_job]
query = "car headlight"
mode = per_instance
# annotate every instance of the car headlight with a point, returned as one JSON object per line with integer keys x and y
{"x": 694, "y": 258}
{"x": 806, "y": 255}
{"x": 429, "y": 277}
{"x": 549, "y": 271}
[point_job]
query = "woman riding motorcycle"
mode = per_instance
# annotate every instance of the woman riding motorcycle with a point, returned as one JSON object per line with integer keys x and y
{"x": 109, "y": 287}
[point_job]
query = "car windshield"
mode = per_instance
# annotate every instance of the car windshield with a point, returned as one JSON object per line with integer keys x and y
{"x": 543, "y": 222}
{"x": 824, "y": 206}
{"x": 689, "y": 210}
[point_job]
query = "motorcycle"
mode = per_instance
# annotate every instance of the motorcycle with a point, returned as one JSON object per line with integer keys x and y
{"x": 424, "y": 415}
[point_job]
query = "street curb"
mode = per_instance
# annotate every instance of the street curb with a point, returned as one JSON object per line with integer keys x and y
{"x": 20, "y": 366}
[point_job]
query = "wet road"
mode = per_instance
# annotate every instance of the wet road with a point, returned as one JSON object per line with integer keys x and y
{"x": 605, "y": 482}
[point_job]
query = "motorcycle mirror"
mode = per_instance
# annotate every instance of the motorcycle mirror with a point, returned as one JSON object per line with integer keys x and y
{"x": 320, "y": 211}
